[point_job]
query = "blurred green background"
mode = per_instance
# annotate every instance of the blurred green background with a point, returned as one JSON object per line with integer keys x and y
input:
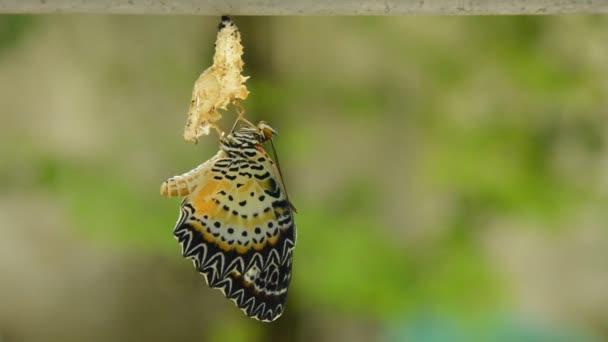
{"x": 451, "y": 176}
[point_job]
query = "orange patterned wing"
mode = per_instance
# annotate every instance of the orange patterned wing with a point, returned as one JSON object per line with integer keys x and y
{"x": 238, "y": 228}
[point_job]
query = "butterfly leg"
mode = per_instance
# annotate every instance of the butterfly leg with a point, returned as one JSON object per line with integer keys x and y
{"x": 217, "y": 129}
{"x": 241, "y": 112}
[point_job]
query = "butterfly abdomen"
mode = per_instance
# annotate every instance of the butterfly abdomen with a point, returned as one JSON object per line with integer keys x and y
{"x": 178, "y": 186}
{"x": 185, "y": 184}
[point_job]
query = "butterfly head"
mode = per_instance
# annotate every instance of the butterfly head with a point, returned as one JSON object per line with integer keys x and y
{"x": 247, "y": 137}
{"x": 266, "y": 131}
{"x": 260, "y": 133}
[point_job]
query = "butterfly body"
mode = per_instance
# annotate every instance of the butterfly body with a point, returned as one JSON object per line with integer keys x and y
{"x": 237, "y": 225}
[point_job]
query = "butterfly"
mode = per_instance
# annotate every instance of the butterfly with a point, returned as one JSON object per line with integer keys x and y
{"x": 237, "y": 224}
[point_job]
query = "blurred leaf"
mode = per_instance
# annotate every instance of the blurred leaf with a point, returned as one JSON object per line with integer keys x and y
{"x": 13, "y": 28}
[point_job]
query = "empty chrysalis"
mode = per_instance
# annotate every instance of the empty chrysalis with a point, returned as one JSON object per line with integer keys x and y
{"x": 221, "y": 84}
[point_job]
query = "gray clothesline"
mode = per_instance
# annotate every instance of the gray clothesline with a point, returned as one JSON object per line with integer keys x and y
{"x": 307, "y": 7}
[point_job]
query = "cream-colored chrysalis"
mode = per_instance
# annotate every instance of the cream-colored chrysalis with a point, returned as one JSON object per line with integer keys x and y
{"x": 219, "y": 85}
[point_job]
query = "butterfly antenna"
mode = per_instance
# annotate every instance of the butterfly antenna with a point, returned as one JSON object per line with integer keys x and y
{"x": 276, "y": 159}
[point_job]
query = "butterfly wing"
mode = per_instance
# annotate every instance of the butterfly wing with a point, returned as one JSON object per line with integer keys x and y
{"x": 237, "y": 227}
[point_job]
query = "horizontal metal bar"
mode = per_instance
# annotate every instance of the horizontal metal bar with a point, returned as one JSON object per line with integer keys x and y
{"x": 307, "y": 7}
